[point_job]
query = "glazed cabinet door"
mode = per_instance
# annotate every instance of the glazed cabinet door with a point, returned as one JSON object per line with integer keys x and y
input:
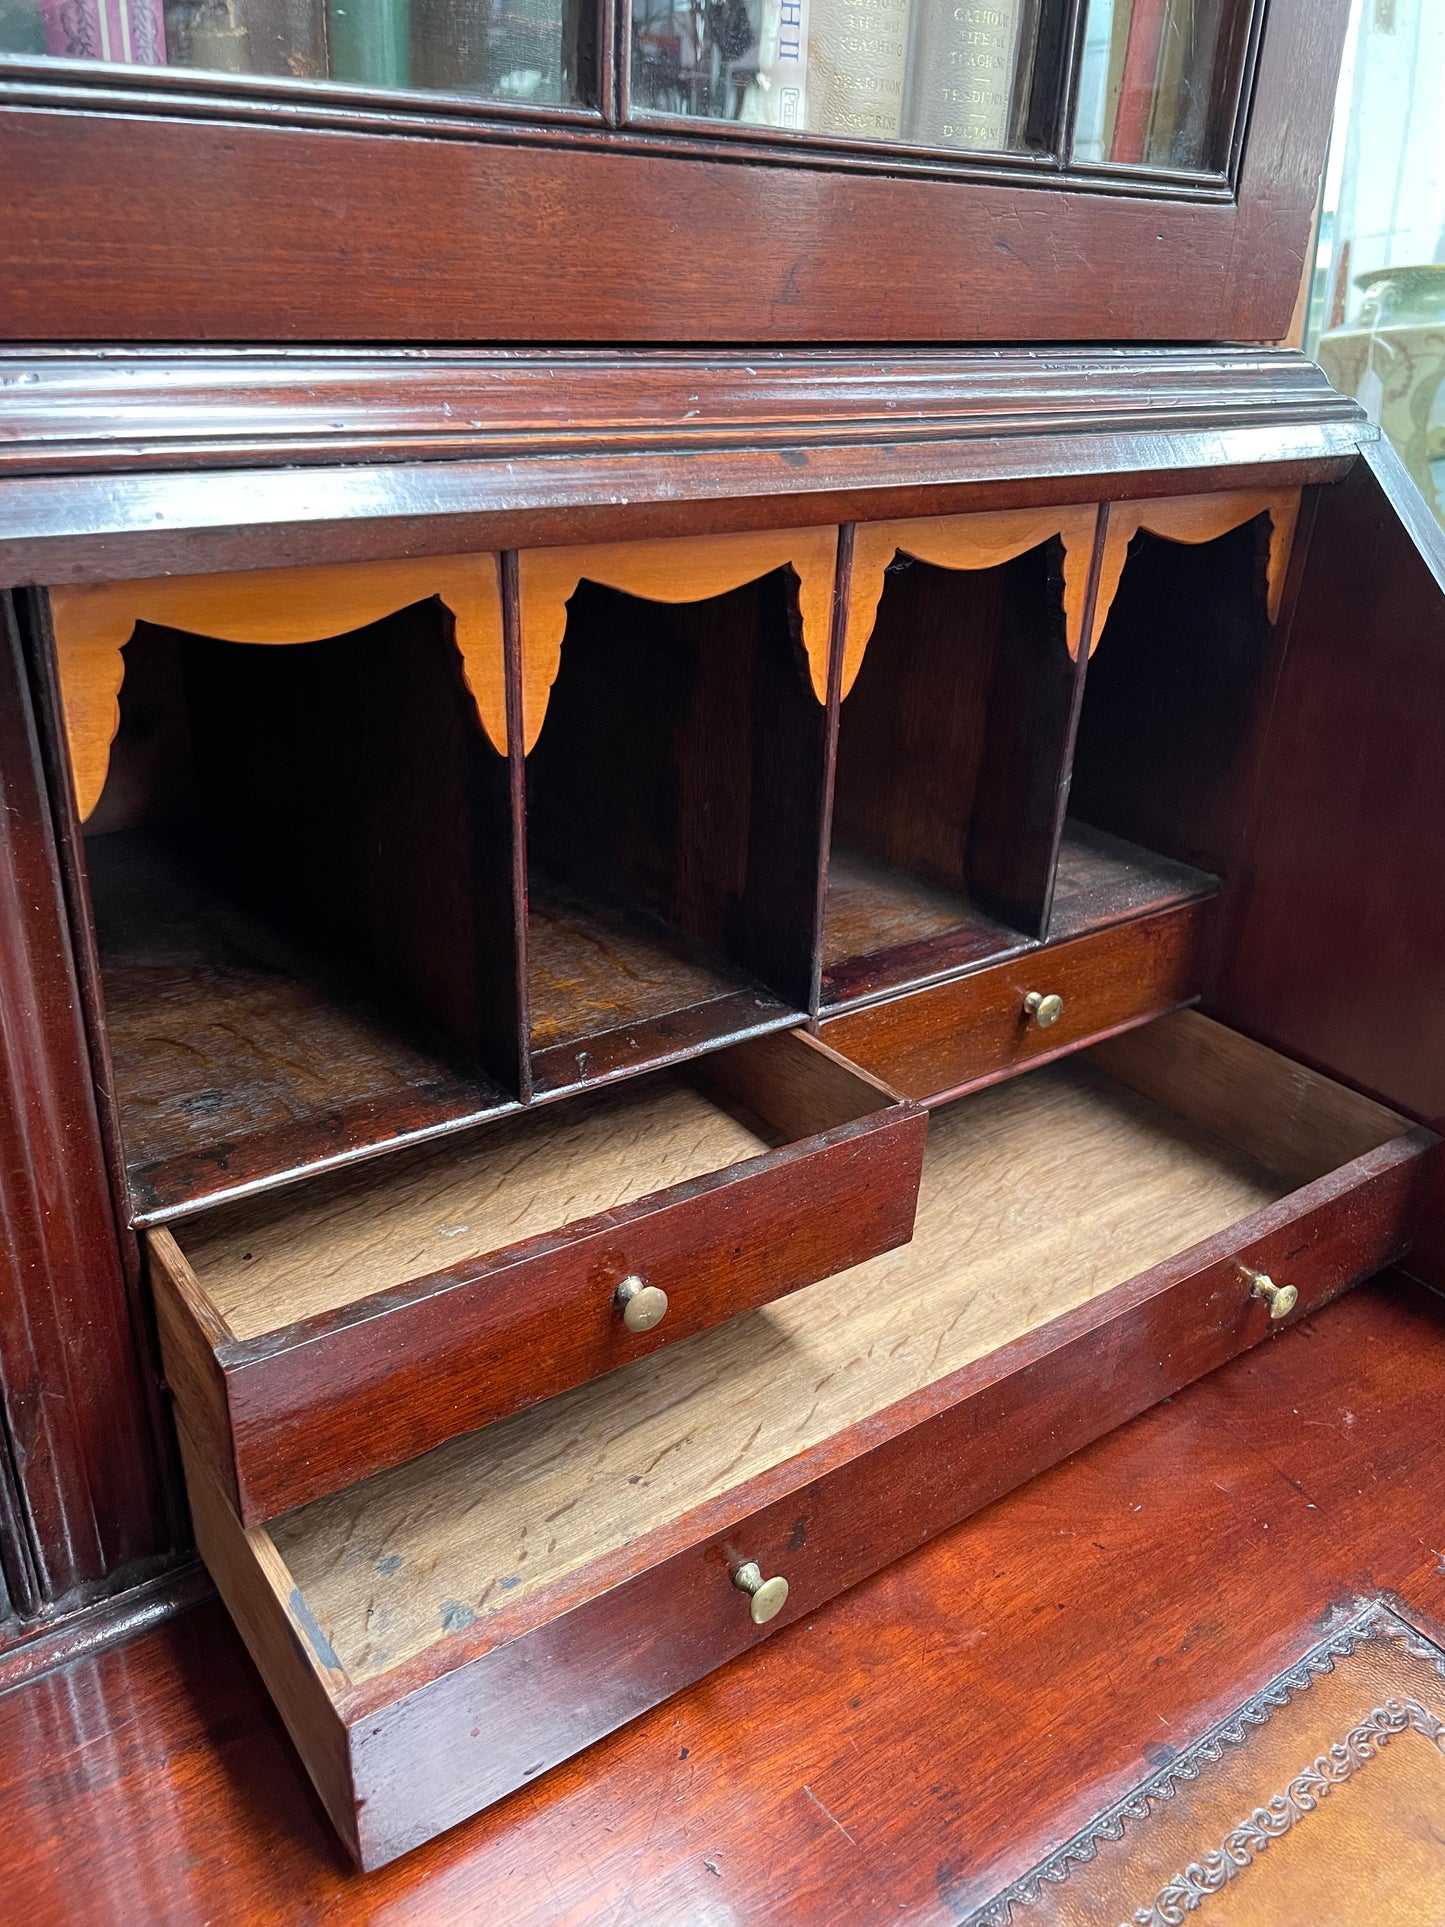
{"x": 754, "y": 171}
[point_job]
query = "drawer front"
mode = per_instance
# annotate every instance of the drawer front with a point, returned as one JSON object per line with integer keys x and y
{"x": 936, "y": 1043}
{"x": 505, "y": 1699}
{"x": 298, "y": 1413}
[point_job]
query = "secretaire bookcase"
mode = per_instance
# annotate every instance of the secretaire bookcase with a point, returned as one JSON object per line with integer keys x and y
{"x": 664, "y": 923}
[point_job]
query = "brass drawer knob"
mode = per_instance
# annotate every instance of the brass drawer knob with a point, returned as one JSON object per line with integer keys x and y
{"x": 1281, "y": 1299}
{"x": 642, "y": 1306}
{"x": 766, "y": 1597}
{"x": 1044, "y": 1007}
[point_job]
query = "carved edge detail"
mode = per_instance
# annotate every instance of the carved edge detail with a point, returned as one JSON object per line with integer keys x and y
{"x": 93, "y": 623}
{"x": 1374, "y": 1622}
{"x": 668, "y": 569}
{"x": 1195, "y": 518}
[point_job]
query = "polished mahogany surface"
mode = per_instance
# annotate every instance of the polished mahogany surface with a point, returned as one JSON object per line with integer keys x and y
{"x": 898, "y": 1756}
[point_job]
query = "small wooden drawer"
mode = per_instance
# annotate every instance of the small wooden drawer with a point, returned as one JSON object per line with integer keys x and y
{"x": 313, "y": 1336}
{"x": 934, "y": 1044}
{"x": 1089, "y": 1240}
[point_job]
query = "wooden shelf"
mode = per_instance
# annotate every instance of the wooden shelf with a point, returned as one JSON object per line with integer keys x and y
{"x": 613, "y": 988}
{"x": 886, "y": 930}
{"x": 243, "y": 1057}
{"x": 1102, "y": 879}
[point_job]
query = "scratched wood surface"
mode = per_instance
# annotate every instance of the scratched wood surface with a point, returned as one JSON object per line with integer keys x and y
{"x": 239, "y": 1050}
{"x": 1037, "y": 1196}
{"x": 873, "y": 905}
{"x": 594, "y": 962}
{"x": 268, "y": 1263}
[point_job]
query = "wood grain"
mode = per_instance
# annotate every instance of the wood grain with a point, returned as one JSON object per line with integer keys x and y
{"x": 596, "y": 963}
{"x": 886, "y": 931}
{"x": 1195, "y": 518}
{"x": 685, "y": 569}
{"x": 599, "y": 224}
{"x": 269, "y": 1263}
{"x": 241, "y": 1054}
{"x": 965, "y": 542}
{"x": 301, "y": 1673}
{"x": 94, "y": 621}
{"x": 1036, "y": 1196}
{"x": 1341, "y": 921}
{"x": 313, "y": 1338}
{"x": 1285, "y": 1114}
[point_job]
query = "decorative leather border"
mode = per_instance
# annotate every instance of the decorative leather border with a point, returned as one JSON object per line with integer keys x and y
{"x": 1374, "y": 1621}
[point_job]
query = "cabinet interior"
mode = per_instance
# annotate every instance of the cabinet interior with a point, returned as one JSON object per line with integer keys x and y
{"x": 674, "y": 799}
{"x": 332, "y": 918}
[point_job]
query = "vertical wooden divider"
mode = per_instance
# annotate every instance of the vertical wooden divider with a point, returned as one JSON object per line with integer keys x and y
{"x": 837, "y": 639}
{"x": 1076, "y": 707}
{"x": 517, "y": 795}
{"x": 1034, "y": 693}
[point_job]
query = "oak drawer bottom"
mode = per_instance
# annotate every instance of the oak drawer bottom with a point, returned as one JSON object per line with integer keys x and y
{"x": 450, "y": 1628}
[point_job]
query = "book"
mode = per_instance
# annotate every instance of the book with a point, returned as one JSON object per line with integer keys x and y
{"x": 22, "y": 31}
{"x": 961, "y": 73}
{"x": 370, "y": 41}
{"x": 510, "y": 51}
{"x": 857, "y": 55}
{"x": 128, "y": 31}
{"x": 778, "y": 96}
{"x": 248, "y": 36}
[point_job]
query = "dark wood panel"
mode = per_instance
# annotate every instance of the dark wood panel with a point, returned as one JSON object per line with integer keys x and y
{"x": 77, "y": 1418}
{"x": 1337, "y": 952}
{"x": 64, "y": 529}
{"x": 1176, "y": 695}
{"x": 312, "y": 249}
{"x": 350, "y": 787}
{"x": 1023, "y": 777}
{"x": 677, "y": 791}
{"x": 874, "y": 1760}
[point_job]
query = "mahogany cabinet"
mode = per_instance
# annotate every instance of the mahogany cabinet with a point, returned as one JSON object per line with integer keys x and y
{"x": 662, "y": 923}
{"x": 650, "y": 1054}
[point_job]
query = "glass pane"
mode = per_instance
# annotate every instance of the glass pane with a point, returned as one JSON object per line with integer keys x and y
{"x": 511, "y": 50}
{"x": 937, "y": 73}
{"x": 1152, "y": 81}
{"x": 1377, "y": 309}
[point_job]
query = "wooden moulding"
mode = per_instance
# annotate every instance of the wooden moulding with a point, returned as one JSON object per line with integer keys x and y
{"x": 678, "y": 569}
{"x": 430, "y": 1650}
{"x": 93, "y": 623}
{"x": 312, "y": 1338}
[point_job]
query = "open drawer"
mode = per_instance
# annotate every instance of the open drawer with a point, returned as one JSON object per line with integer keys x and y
{"x": 313, "y": 1336}
{"x": 1090, "y": 1238}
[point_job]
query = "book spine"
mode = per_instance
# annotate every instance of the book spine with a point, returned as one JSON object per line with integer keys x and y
{"x": 131, "y": 32}
{"x": 370, "y": 41}
{"x": 857, "y": 53}
{"x": 961, "y": 74}
{"x": 779, "y": 95}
